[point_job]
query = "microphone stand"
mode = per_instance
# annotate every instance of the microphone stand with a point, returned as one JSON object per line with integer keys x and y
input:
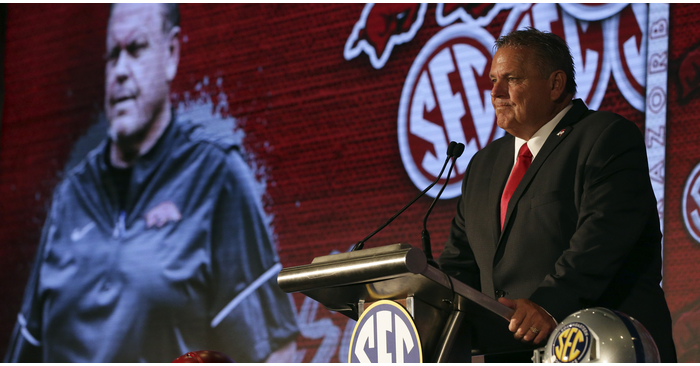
{"x": 450, "y": 151}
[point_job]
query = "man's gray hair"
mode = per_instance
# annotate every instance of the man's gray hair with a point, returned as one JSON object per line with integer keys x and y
{"x": 550, "y": 51}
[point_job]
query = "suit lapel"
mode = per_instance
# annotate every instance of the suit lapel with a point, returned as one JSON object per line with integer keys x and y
{"x": 564, "y": 127}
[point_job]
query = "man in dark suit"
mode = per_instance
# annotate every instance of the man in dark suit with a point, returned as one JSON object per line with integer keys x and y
{"x": 559, "y": 214}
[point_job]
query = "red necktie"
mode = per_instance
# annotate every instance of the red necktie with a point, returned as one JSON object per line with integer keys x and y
{"x": 521, "y": 165}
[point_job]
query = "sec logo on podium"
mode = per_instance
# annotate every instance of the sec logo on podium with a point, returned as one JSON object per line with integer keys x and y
{"x": 385, "y": 333}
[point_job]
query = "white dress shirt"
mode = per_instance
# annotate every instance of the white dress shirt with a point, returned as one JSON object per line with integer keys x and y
{"x": 537, "y": 140}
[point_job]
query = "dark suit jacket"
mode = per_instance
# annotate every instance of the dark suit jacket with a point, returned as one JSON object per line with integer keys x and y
{"x": 582, "y": 228}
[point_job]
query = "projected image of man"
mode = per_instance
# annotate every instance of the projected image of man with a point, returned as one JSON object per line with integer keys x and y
{"x": 156, "y": 244}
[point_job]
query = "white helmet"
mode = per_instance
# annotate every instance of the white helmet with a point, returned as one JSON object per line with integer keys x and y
{"x": 600, "y": 335}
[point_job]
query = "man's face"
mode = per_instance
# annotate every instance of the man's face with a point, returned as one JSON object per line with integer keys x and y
{"x": 137, "y": 77}
{"x": 520, "y": 96}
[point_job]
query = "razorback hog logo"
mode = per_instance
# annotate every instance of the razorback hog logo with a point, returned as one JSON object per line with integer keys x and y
{"x": 462, "y": 11}
{"x": 691, "y": 204}
{"x": 473, "y": 9}
{"x": 380, "y": 28}
{"x": 689, "y": 74}
{"x": 446, "y": 97}
{"x": 470, "y": 13}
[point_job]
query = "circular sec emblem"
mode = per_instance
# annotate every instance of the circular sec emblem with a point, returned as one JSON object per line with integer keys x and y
{"x": 571, "y": 343}
{"x": 385, "y": 333}
{"x": 447, "y": 97}
{"x": 691, "y": 204}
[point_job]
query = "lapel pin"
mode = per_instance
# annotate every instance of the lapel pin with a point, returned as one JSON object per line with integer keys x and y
{"x": 561, "y": 132}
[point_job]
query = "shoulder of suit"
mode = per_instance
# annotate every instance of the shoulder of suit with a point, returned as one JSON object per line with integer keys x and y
{"x": 603, "y": 118}
{"x": 498, "y": 143}
{"x": 591, "y": 116}
{"x": 596, "y": 123}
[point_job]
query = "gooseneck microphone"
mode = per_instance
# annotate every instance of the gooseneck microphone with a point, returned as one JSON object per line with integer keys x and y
{"x": 425, "y": 235}
{"x": 450, "y": 152}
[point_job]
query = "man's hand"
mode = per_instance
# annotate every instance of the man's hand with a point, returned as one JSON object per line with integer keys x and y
{"x": 530, "y": 321}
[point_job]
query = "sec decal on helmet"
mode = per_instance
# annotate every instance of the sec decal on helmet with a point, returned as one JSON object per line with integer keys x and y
{"x": 600, "y": 335}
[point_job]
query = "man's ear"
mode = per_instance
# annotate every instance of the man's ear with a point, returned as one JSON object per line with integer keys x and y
{"x": 557, "y": 82}
{"x": 173, "y": 56}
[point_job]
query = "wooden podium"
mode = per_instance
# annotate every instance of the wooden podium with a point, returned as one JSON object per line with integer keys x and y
{"x": 454, "y": 320}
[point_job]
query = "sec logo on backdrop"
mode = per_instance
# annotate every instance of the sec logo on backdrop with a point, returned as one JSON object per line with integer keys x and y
{"x": 446, "y": 97}
{"x": 691, "y": 204}
{"x": 385, "y": 333}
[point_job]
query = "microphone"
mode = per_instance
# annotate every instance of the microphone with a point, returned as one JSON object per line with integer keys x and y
{"x": 450, "y": 152}
{"x": 425, "y": 235}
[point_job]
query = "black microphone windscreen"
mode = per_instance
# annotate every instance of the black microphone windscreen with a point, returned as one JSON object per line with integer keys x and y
{"x": 458, "y": 150}
{"x": 451, "y": 148}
